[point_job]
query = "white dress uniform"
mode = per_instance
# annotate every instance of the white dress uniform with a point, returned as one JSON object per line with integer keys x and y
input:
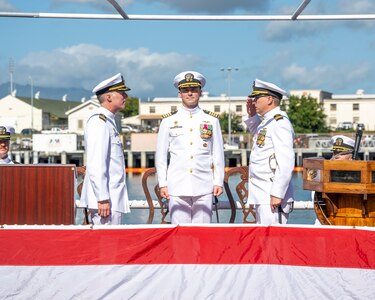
{"x": 193, "y": 139}
{"x": 105, "y": 172}
{"x": 6, "y": 161}
{"x": 272, "y": 162}
{"x": 5, "y": 133}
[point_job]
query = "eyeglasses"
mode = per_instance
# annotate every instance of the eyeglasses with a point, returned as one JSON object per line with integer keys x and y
{"x": 256, "y": 98}
{"x": 192, "y": 90}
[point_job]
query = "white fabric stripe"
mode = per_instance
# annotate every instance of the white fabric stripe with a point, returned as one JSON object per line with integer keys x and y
{"x": 185, "y": 282}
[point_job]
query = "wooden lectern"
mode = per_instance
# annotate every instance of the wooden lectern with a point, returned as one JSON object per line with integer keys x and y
{"x": 344, "y": 190}
{"x": 37, "y": 194}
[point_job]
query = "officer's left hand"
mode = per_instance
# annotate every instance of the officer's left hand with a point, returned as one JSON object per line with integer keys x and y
{"x": 218, "y": 190}
{"x": 275, "y": 203}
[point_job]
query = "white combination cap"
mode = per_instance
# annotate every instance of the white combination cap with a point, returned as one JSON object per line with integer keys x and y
{"x": 115, "y": 83}
{"x": 266, "y": 88}
{"x": 189, "y": 79}
{"x": 342, "y": 143}
{"x": 5, "y": 132}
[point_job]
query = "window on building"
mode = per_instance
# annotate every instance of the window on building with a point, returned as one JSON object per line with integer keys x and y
{"x": 152, "y": 109}
{"x": 217, "y": 108}
{"x": 238, "y": 108}
{"x": 333, "y": 107}
{"x": 355, "y": 120}
{"x": 173, "y": 108}
{"x": 332, "y": 121}
{"x": 80, "y": 124}
{"x": 355, "y": 106}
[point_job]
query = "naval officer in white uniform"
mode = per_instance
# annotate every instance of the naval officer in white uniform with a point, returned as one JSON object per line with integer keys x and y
{"x": 192, "y": 137}
{"x": 5, "y": 132}
{"x": 272, "y": 155}
{"x": 104, "y": 190}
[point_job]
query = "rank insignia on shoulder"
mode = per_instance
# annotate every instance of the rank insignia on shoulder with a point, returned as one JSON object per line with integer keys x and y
{"x": 278, "y": 117}
{"x": 168, "y": 114}
{"x": 103, "y": 117}
{"x": 212, "y": 113}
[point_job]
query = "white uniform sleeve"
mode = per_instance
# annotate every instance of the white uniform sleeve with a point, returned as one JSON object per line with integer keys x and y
{"x": 252, "y": 123}
{"x": 218, "y": 155}
{"x": 97, "y": 149}
{"x": 161, "y": 159}
{"x": 282, "y": 139}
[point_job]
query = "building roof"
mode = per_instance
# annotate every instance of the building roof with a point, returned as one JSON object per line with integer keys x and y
{"x": 93, "y": 101}
{"x": 53, "y": 107}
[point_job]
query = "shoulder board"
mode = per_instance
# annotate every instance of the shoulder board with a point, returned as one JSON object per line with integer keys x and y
{"x": 103, "y": 117}
{"x": 211, "y": 113}
{"x": 168, "y": 114}
{"x": 278, "y": 117}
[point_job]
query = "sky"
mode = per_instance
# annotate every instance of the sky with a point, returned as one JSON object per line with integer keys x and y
{"x": 335, "y": 56}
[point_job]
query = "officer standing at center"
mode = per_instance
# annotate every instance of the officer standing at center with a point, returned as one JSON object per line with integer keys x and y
{"x": 192, "y": 136}
{"x": 104, "y": 190}
{"x": 272, "y": 156}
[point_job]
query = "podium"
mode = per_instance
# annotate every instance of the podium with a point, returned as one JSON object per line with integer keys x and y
{"x": 344, "y": 190}
{"x": 37, "y": 194}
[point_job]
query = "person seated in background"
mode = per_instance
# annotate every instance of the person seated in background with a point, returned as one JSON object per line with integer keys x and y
{"x": 5, "y": 132}
{"x": 342, "y": 149}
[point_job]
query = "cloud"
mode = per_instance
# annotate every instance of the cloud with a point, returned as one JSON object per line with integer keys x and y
{"x": 6, "y": 6}
{"x": 192, "y": 6}
{"x": 100, "y": 4}
{"x": 84, "y": 65}
{"x": 213, "y": 6}
{"x": 289, "y": 30}
{"x": 331, "y": 77}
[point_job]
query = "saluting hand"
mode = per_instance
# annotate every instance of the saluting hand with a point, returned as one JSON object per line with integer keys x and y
{"x": 250, "y": 106}
{"x": 104, "y": 208}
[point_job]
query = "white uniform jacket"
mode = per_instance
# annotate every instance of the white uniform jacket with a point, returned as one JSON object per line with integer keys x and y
{"x": 6, "y": 161}
{"x": 272, "y": 158}
{"x": 105, "y": 170}
{"x": 193, "y": 139}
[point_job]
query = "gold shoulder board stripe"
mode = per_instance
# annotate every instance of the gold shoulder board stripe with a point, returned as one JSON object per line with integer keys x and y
{"x": 168, "y": 114}
{"x": 278, "y": 117}
{"x": 103, "y": 117}
{"x": 211, "y": 113}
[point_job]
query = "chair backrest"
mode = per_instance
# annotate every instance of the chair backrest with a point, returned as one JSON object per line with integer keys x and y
{"x": 162, "y": 202}
{"x": 242, "y": 194}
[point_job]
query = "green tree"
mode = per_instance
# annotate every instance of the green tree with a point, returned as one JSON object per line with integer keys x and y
{"x": 131, "y": 107}
{"x": 235, "y": 123}
{"x": 306, "y": 114}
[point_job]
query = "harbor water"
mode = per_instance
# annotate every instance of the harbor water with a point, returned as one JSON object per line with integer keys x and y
{"x": 139, "y": 216}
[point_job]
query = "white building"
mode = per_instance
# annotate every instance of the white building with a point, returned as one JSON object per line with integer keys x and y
{"x": 19, "y": 114}
{"x": 151, "y": 112}
{"x": 357, "y": 108}
{"x": 78, "y": 116}
{"x": 40, "y": 114}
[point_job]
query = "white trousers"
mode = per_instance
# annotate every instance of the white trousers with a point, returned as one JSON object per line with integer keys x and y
{"x": 113, "y": 219}
{"x": 191, "y": 209}
{"x": 265, "y": 215}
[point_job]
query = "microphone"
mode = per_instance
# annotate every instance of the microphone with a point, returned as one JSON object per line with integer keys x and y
{"x": 358, "y": 138}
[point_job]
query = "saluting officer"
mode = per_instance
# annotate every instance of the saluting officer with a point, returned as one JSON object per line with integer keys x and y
{"x": 192, "y": 136}
{"x": 104, "y": 189}
{"x": 272, "y": 155}
{"x": 5, "y": 132}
